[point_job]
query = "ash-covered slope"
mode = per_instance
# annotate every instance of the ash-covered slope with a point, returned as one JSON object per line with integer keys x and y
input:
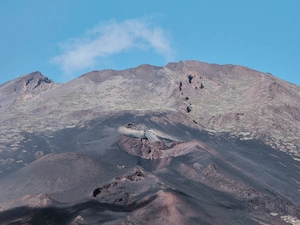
{"x": 194, "y": 177}
{"x": 219, "y": 98}
{"x": 188, "y": 143}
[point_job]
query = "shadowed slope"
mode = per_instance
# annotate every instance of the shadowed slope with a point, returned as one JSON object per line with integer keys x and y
{"x": 65, "y": 177}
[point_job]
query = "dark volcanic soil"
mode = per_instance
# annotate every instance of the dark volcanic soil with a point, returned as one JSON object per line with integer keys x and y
{"x": 188, "y": 143}
{"x": 211, "y": 180}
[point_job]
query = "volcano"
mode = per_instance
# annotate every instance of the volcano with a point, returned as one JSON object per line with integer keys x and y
{"x": 186, "y": 143}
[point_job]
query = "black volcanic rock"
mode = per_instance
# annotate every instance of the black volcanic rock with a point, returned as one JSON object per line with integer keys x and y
{"x": 188, "y": 143}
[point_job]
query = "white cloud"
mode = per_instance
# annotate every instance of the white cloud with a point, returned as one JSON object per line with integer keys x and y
{"x": 109, "y": 39}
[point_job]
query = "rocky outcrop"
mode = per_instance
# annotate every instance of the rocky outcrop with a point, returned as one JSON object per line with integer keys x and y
{"x": 33, "y": 82}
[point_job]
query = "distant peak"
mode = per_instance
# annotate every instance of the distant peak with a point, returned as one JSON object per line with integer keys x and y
{"x": 36, "y": 75}
{"x": 31, "y": 82}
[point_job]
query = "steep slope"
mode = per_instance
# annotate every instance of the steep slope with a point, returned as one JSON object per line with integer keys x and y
{"x": 245, "y": 103}
{"x": 227, "y": 98}
{"x": 241, "y": 101}
{"x": 186, "y": 143}
{"x": 204, "y": 178}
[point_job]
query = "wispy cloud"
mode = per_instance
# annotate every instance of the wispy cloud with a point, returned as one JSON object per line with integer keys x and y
{"x": 112, "y": 38}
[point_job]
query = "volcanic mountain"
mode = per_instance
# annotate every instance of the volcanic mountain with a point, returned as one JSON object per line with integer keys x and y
{"x": 187, "y": 143}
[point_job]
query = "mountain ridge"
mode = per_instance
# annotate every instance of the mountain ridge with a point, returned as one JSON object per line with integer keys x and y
{"x": 206, "y": 93}
{"x": 192, "y": 141}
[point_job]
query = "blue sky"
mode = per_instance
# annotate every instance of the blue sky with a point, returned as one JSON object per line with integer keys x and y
{"x": 64, "y": 39}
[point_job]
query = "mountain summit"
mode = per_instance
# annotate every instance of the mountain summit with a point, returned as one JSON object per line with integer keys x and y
{"x": 26, "y": 84}
{"x": 186, "y": 143}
